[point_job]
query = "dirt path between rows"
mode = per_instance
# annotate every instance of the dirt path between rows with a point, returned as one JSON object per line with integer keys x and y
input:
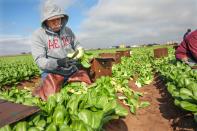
{"x": 161, "y": 115}
{"x": 30, "y": 84}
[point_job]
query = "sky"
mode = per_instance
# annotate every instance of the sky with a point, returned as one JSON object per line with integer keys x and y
{"x": 100, "y": 23}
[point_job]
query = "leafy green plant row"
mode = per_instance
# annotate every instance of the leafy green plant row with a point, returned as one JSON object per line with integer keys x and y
{"x": 137, "y": 67}
{"x": 181, "y": 82}
{"x": 15, "y": 70}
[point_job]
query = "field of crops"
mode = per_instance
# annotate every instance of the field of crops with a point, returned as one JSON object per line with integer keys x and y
{"x": 81, "y": 107}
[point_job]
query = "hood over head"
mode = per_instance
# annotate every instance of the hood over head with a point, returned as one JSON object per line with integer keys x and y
{"x": 51, "y": 11}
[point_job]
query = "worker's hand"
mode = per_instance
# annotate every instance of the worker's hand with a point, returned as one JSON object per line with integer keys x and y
{"x": 66, "y": 62}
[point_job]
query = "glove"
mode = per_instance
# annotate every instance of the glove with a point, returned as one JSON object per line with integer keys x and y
{"x": 66, "y": 62}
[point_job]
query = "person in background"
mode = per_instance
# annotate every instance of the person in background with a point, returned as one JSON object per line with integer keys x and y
{"x": 50, "y": 46}
{"x": 187, "y": 50}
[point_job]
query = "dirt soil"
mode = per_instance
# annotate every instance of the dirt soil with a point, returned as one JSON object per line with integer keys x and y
{"x": 161, "y": 115}
{"x": 30, "y": 84}
{"x": 27, "y": 84}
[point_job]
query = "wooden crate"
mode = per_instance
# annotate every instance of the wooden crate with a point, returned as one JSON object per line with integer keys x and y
{"x": 160, "y": 52}
{"x": 125, "y": 53}
{"x": 115, "y": 56}
{"x": 101, "y": 67}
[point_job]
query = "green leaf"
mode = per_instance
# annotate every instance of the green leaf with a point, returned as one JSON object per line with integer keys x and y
{"x": 41, "y": 123}
{"x": 177, "y": 102}
{"x": 33, "y": 129}
{"x": 78, "y": 125}
{"x": 59, "y": 114}
{"x": 85, "y": 63}
{"x": 36, "y": 119}
{"x": 185, "y": 91}
{"x": 6, "y": 128}
{"x": 93, "y": 119}
{"x": 121, "y": 111}
{"x": 21, "y": 126}
{"x": 144, "y": 104}
{"x": 52, "y": 127}
{"x": 51, "y": 104}
{"x": 188, "y": 106}
{"x": 65, "y": 128}
{"x": 132, "y": 109}
{"x": 171, "y": 88}
{"x": 73, "y": 103}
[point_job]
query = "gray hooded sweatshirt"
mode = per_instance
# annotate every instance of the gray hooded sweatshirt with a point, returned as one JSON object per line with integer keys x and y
{"x": 48, "y": 46}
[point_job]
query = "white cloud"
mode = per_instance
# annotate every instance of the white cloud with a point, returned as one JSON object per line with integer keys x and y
{"x": 112, "y": 22}
{"x": 64, "y": 4}
{"x": 11, "y": 38}
{"x": 14, "y": 44}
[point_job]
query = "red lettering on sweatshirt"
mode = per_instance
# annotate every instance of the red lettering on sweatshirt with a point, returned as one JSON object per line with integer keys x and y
{"x": 66, "y": 41}
{"x": 56, "y": 43}
{"x": 53, "y": 44}
{"x": 50, "y": 45}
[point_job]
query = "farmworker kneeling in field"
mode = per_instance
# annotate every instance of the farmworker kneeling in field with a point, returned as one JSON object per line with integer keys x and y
{"x": 50, "y": 46}
{"x": 187, "y": 50}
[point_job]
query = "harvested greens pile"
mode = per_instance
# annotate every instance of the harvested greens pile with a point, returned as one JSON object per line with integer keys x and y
{"x": 77, "y": 107}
